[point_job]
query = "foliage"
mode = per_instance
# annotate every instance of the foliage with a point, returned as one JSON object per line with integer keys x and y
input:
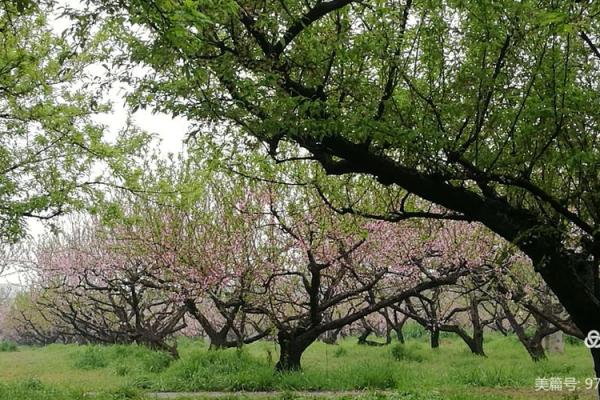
{"x": 7, "y": 345}
{"x": 400, "y": 352}
{"x": 50, "y": 146}
{"x": 485, "y": 108}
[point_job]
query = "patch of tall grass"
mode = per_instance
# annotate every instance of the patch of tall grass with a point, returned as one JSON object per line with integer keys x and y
{"x": 123, "y": 359}
{"x": 7, "y": 346}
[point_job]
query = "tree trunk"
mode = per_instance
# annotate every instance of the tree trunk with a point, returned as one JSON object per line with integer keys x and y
{"x": 362, "y": 339}
{"x": 394, "y": 325}
{"x": 474, "y": 343}
{"x": 536, "y": 350}
{"x": 477, "y": 342}
{"x": 292, "y": 346}
{"x": 596, "y": 358}
{"x": 388, "y": 335}
{"x": 476, "y": 346}
{"x": 435, "y": 338}
{"x": 289, "y": 357}
{"x": 399, "y": 334}
{"x": 217, "y": 342}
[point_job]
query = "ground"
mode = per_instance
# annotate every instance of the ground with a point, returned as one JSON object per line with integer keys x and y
{"x": 396, "y": 372}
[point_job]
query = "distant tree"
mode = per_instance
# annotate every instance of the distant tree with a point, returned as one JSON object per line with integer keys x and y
{"x": 526, "y": 303}
{"x": 319, "y": 267}
{"x": 107, "y": 289}
{"x": 451, "y": 310}
{"x": 28, "y": 322}
{"x": 377, "y": 325}
{"x": 458, "y": 308}
{"x": 193, "y": 215}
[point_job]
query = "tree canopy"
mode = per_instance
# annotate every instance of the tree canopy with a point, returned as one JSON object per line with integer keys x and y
{"x": 49, "y": 141}
{"x": 482, "y": 110}
{"x": 488, "y": 109}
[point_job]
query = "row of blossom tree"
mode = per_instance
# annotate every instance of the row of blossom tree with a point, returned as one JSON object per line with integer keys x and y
{"x": 249, "y": 261}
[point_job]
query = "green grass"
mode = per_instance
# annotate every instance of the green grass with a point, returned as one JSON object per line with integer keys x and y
{"x": 34, "y": 389}
{"x": 411, "y": 371}
{"x": 7, "y": 346}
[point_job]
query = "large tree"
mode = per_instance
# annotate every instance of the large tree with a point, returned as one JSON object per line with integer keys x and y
{"x": 487, "y": 108}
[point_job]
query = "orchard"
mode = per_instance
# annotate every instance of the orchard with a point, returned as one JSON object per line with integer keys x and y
{"x": 396, "y": 195}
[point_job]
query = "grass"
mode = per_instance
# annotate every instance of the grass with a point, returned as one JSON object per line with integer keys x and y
{"x": 33, "y": 389}
{"x": 410, "y": 371}
{"x": 7, "y": 346}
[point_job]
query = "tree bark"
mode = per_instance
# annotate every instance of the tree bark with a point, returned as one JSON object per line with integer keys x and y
{"x": 477, "y": 340}
{"x": 474, "y": 343}
{"x": 477, "y": 348}
{"x": 217, "y": 341}
{"x": 536, "y": 350}
{"x": 435, "y": 337}
{"x": 362, "y": 339}
{"x": 292, "y": 345}
{"x": 399, "y": 334}
{"x": 596, "y": 358}
{"x": 533, "y": 344}
{"x": 289, "y": 357}
{"x": 397, "y": 324}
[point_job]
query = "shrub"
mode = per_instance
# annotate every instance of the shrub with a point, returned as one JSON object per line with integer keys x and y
{"x": 401, "y": 352}
{"x": 155, "y": 361}
{"x": 572, "y": 340}
{"x": 92, "y": 357}
{"x": 7, "y": 345}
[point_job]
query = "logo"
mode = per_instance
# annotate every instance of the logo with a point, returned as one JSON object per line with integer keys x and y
{"x": 592, "y": 340}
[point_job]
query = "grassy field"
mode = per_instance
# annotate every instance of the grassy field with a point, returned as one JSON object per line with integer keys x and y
{"x": 410, "y": 371}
